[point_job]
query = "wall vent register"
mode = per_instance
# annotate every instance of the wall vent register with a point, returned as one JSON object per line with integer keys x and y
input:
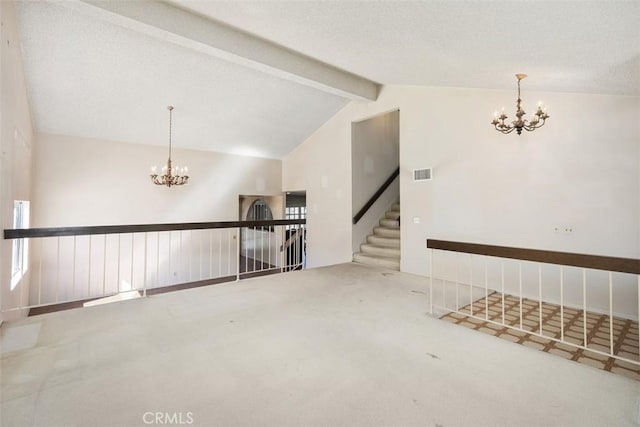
{"x": 422, "y": 174}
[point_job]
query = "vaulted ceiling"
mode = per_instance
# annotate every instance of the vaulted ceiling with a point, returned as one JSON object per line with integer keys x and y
{"x": 258, "y": 78}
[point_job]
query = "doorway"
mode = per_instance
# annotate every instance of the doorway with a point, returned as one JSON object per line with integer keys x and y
{"x": 259, "y": 245}
{"x": 375, "y": 162}
{"x": 295, "y": 246}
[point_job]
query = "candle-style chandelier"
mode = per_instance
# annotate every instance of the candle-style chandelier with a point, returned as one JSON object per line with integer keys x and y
{"x": 537, "y": 121}
{"x": 168, "y": 178}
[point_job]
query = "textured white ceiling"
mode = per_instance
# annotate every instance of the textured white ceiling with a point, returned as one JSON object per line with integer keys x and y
{"x": 89, "y": 77}
{"x": 566, "y": 46}
{"x": 95, "y": 79}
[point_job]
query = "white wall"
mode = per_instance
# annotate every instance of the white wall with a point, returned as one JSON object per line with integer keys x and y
{"x": 16, "y": 138}
{"x": 375, "y": 155}
{"x": 322, "y": 167}
{"x": 581, "y": 170}
{"x": 81, "y": 181}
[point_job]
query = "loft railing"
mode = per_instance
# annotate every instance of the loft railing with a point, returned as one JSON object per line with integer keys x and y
{"x": 139, "y": 228}
{"x": 376, "y": 196}
{"x": 71, "y": 264}
{"x": 622, "y": 265}
{"x": 587, "y": 302}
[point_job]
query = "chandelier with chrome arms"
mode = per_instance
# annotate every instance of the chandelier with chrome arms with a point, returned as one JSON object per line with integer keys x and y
{"x": 168, "y": 178}
{"x": 537, "y": 121}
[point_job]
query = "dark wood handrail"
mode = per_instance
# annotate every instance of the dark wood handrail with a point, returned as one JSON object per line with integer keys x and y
{"x": 622, "y": 265}
{"x": 375, "y": 196}
{"x": 20, "y": 233}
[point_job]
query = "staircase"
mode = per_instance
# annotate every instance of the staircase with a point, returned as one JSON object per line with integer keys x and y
{"x": 382, "y": 248}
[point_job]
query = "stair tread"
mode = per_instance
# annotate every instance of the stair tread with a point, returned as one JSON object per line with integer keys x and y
{"x": 373, "y": 244}
{"x": 390, "y": 263}
{"x": 393, "y": 242}
{"x": 382, "y": 248}
{"x": 390, "y": 223}
{"x": 383, "y": 251}
{"x": 392, "y": 215}
{"x": 373, "y": 256}
{"x": 385, "y": 237}
{"x": 386, "y": 231}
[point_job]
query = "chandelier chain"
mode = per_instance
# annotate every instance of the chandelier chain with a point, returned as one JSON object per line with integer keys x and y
{"x": 170, "y": 121}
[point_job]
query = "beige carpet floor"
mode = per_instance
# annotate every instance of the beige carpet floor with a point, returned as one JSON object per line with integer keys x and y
{"x": 345, "y": 345}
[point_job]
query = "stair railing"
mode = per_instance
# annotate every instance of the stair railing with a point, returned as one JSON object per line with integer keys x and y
{"x": 376, "y": 196}
{"x": 563, "y": 297}
{"x": 291, "y": 240}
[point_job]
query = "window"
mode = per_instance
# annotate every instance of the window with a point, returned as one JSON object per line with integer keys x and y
{"x": 295, "y": 212}
{"x": 260, "y": 211}
{"x": 20, "y": 257}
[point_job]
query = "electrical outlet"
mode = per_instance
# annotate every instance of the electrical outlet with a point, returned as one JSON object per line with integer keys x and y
{"x": 563, "y": 229}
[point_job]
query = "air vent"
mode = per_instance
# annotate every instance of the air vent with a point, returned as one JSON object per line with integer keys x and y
{"x": 422, "y": 174}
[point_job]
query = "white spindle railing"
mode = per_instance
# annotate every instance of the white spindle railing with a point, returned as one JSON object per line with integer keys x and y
{"x": 557, "y": 296}
{"x": 85, "y": 263}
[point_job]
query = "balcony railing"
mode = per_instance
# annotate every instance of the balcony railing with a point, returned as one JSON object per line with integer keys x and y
{"x": 80, "y": 264}
{"x": 586, "y": 302}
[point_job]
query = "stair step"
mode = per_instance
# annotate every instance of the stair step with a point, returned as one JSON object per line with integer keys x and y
{"x": 387, "y": 232}
{"x": 380, "y": 250}
{"x": 390, "y": 223}
{"x": 392, "y": 214}
{"x": 384, "y": 262}
{"x": 388, "y": 242}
